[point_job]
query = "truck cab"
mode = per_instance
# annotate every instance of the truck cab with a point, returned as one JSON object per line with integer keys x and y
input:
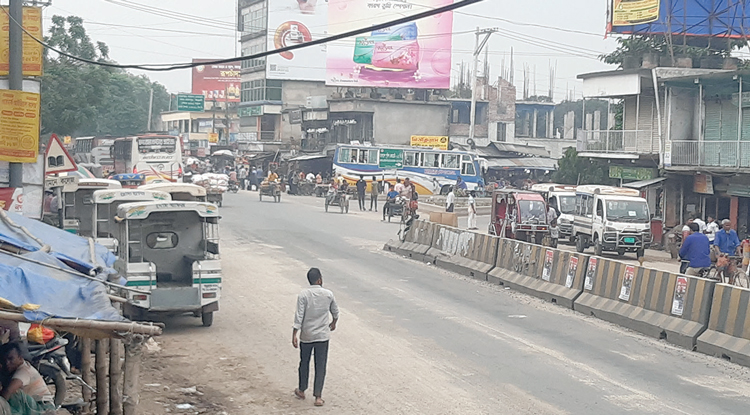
{"x": 563, "y": 198}
{"x": 611, "y": 219}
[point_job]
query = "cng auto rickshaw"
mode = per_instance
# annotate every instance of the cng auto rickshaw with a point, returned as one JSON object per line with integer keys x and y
{"x": 106, "y": 203}
{"x": 171, "y": 250}
{"x": 79, "y": 205}
{"x": 186, "y": 192}
{"x": 519, "y": 214}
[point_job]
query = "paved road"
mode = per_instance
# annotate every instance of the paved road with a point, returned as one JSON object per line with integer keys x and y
{"x": 445, "y": 343}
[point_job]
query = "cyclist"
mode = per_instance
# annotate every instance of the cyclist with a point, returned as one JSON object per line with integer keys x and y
{"x": 726, "y": 239}
{"x": 696, "y": 250}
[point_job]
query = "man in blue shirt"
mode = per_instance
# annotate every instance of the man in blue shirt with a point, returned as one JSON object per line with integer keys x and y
{"x": 697, "y": 250}
{"x": 726, "y": 239}
{"x": 390, "y": 199}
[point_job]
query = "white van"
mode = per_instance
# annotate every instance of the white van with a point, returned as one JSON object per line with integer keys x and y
{"x": 611, "y": 219}
{"x": 563, "y": 198}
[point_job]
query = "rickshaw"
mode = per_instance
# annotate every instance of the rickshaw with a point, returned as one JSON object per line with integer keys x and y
{"x": 186, "y": 192}
{"x": 172, "y": 251}
{"x": 79, "y": 205}
{"x": 334, "y": 197}
{"x": 519, "y": 214}
{"x": 130, "y": 180}
{"x": 272, "y": 189}
{"x": 106, "y": 203}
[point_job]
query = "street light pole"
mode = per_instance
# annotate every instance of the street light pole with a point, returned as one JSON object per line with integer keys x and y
{"x": 15, "y": 73}
{"x": 477, "y": 50}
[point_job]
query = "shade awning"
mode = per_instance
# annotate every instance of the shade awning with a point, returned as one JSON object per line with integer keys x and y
{"x": 531, "y": 163}
{"x": 309, "y": 157}
{"x": 644, "y": 183}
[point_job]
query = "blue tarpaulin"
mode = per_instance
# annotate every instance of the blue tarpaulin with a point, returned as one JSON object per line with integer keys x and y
{"x": 57, "y": 292}
{"x": 67, "y": 247}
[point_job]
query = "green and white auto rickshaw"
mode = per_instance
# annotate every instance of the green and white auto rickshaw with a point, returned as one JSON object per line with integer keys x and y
{"x": 106, "y": 203}
{"x": 187, "y": 192}
{"x": 172, "y": 251}
{"x": 79, "y": 205}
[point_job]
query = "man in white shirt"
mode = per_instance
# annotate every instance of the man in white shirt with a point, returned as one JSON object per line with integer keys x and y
{"x": 701, "y": 225}
{"x": 711, "y": 228}
{"x": 450, "y": 201}
{"x": 311, "y": 320}
{"x": 472, "y": 211}
{"x": 399, "y": 186}
{"x": 310, "y": 177}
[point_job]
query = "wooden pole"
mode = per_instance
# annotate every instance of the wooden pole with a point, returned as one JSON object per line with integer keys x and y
{"x": 133, "y": 354}
{"x": 104, "y": 326}
{"x": 115, "y": 377}
{"x": 86, "y": 370}
{"x": 102, "y": 386}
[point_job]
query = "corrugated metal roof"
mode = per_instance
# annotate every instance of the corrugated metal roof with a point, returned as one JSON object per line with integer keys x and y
{"x": 544, "y": 163}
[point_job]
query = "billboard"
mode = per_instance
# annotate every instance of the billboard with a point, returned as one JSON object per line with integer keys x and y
{"x": 412, "y": 55}
{"x": 292, "y": 23}
{"x": 719, "y": 18}
{"x": 220, "y": 83}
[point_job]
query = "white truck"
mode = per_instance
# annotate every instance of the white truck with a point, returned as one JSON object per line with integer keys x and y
{"x": 611, "y": 219}
{"x": 563, "y": 199}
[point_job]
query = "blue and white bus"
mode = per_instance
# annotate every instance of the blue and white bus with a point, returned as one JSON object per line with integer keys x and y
{"x": 432, "y": 171}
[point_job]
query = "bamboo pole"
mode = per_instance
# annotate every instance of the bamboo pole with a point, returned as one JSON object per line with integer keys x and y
{"x": 133, "y": 354}
{"x": 102, "y": 388}
{"x": 115, "y": 377}
{"x": 113, "y": 327}
{"x": 86, "y": 370}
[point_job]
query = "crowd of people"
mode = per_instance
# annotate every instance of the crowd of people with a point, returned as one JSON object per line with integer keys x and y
{"x": 707, "y": 244}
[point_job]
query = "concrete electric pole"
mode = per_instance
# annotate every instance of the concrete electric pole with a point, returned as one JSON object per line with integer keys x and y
{"x": 479, "y": 45}
{"x": 15, "y": 72}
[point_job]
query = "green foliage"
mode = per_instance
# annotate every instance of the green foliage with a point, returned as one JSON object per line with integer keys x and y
{"x": 576, "y": 170}
{"x": 692, "y": 47}
{"x": 83, "y": 99}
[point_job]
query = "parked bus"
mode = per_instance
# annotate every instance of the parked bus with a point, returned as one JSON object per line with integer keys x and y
{"x": 153, "y": 155}
{"x": 432, "y": 171}
{"x": 95, "y": 150}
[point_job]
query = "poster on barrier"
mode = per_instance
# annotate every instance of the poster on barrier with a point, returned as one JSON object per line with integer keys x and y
{"x": 588, "y": 282}
{"x": 680, "y": 290}
{"x": 627, "y": 283}
{"x": 549, "y": 257}
{"x": 572, "y": 268}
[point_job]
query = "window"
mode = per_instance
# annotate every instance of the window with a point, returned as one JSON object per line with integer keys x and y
{"x": 450, "y": 161}
{"x": 371, "y": 156}
{"x": 345, "y": 155}
{"x": 254, "y": 19}
{"x": 123, "y": 149}
{"x": 261, "y": 90}
{"x": 589, "y": 206}
{"x": 467, "y": 166}
{"x": 162, "y": 240}
{"x": 599, "y": 209}
{"x": 411, "y": 159}
{"x": 252, "y": 50}
{"x": 431, "y": 160}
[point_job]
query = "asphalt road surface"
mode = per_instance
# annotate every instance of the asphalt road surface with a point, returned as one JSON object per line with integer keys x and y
{"x": 412, "y": 338}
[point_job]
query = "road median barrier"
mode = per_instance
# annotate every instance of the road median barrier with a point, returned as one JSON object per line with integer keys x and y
{"x": 728, "y": 333}
{"x": 467, "y": 253}
{"x": 548, "y": 273}
{"x": 657, "y": 303}
{"x": 417, "y": 242}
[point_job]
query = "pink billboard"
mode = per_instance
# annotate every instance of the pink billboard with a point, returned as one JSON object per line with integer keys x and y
{"x": 411, "y": 55}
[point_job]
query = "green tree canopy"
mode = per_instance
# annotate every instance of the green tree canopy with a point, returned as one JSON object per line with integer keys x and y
{"x": 85, "y": 99}
{"x": 575, "y": 170}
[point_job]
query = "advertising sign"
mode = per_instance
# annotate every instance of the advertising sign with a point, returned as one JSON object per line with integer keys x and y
{"x": 588, "y": 282}
{"x": 11, "y": 199}
{"x": 680, "y": 290}
{"x": 572, "y": 268}
{"x": 292, "y": 23}
{"x": 391, "y": 159}
{"x": 19, "y": 126}
{"x": 220, "y": 83}
{"x": 549, "y": 257}
{"x": 32, "y": 50}
{"x": 631, "y": 12}
{"x": 213, "y": 138}
{"x": 411, "y": 55}
{"x": 430, "y": 141}
{"x": 630, "y": 173}
{"x": 627, "y": 283}
{"x": 703, "y": 183}
{"x": 191, "y": 102}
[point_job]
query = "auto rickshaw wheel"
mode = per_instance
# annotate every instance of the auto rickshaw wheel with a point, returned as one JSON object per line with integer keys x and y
{"x": 207, "y": 318}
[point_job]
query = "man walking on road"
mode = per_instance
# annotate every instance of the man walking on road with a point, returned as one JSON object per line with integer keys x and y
{"x": 450, "y": 201}
{"x": 361, "y": 188}
{"x": 472, "y": 211}
{"x": 311, "y": 320}
{"x": 374, "y": 191}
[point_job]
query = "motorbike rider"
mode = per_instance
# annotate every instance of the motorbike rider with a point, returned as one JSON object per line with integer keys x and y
{"x": 390, "y": 200}
{"x": 696, "y": 249}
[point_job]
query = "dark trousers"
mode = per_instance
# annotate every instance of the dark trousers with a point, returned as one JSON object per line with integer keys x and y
{"x": 361, "y": 197}
{"x": 449, "y": 208}
{"x": 374, "y": 202}
{"x": 321, "y": 360}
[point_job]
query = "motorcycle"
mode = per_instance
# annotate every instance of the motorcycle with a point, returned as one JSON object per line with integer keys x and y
{"x": 234, "y": 187}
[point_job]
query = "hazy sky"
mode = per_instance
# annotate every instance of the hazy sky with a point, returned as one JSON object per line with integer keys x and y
{"x": 538, "y": 47}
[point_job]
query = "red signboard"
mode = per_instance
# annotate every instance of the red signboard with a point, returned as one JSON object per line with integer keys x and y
{"x": 11, "y": 199}
{"x": 220, "y": 83}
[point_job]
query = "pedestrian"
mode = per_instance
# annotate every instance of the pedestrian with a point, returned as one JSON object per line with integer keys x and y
{"x": 701, "y": 225}
{"x": 390, "y": 200}
{"x": 696, "y": 251}
{"x": 374, "y": 193}
{"x": 472, "y": 211}
{"x": 726, "y": 239}
{"x": 711, "y": 228}
{"x": 361, "y": 188}
{"x": 311, "y": 321}
{"x": 450, "y": 201}
{"x": 398, "y": 187}
{"x": 243, "y": 178}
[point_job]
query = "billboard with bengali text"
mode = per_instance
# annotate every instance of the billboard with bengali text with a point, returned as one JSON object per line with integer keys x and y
{"x": 292, "y": 22}
{"x": 411, "y": 55}
{"x": 220, "y": 83}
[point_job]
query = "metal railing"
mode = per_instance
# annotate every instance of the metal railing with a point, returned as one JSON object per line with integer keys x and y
{"x": 618, "y": 141}
{"x": 711, "y": 153}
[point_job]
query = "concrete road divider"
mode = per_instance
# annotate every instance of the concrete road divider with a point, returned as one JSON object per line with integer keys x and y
{"x": 417, "y": 241}
{"x": 547, "y": 273}
{"x": 728, "y": 333}
{"x": 656, "y": 303}
{"x": 468, "y": 253}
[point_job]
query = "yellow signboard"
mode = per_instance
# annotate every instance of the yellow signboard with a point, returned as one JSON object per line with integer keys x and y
{"x": 67, "y": 140}
{"x": 32, "y": 50}
{"x": 431, "y": 141}
{"x": 19, "y": 126}
{"x": 632, "y": 12}
{"x": 213, "y": 137}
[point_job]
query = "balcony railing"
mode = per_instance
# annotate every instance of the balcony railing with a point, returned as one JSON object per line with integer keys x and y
{"x": 711, "y": 153}
{"x": 618, "y": 141}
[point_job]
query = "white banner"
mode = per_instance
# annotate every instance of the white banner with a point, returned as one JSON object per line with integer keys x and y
{"x": 291, "y": 23}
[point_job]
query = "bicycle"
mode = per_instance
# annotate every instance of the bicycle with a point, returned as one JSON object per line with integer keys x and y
{"x": 730, "y": 271}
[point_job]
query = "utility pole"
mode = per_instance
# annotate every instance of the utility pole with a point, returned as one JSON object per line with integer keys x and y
{"x": 150, "y": 109}
{"x": 478, "y": 46}
{"x": 15, "y": 72}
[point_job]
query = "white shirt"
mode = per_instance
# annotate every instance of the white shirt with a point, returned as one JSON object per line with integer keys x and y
{"x": 310, "y": 177}
{"x": 450, "y": 199}
{"x": 711, "y": 230}
{"x": 399, "y": 188}
{"x": 311, "y": 319}
{"x": 701, "y": 224}
{"x": 471, "y": 204}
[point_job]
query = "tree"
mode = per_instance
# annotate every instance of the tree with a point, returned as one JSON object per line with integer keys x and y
{"x": 575, "y": 170}
{"x": 85, "y": 99}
